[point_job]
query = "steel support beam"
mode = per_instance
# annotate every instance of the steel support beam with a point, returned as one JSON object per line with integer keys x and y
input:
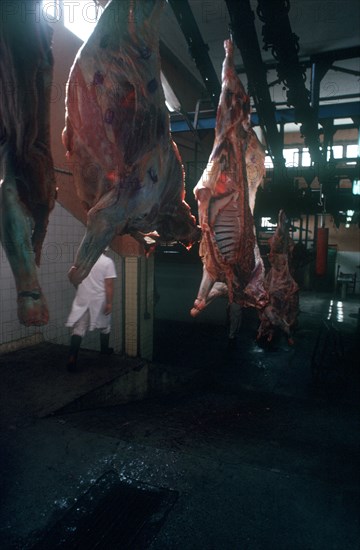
{"x": 198, "y": 49}
{"x": 283, "y": 43}
{"x": 244, "y": 34}
{"x": 337, "y": 110}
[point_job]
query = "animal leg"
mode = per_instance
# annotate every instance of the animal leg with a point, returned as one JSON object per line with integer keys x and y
{"x": 16, "y": 236}
{"x": 205, "y": 287}
{"x": 99, "y": 234}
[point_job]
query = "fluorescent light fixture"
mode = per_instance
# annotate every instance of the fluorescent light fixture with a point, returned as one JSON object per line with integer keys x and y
{"x": 339, "y": 121}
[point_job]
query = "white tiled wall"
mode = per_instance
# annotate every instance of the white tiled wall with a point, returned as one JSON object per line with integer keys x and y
{"x": 62, "y": 240}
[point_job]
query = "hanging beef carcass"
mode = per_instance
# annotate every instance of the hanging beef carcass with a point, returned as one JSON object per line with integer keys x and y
{"x": 127, "y": 170}
{"x": 283, "y": 290}
{"x": 28, "y": 181}
{"x": 232, "y": 264}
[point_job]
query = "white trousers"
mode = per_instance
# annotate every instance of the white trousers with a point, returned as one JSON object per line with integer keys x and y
{"x": 81, "y": 326}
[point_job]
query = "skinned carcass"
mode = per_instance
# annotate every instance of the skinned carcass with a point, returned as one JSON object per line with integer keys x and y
{"x": 283, "y": 290}
{"x": 127, "y": 170}
{"x": 28, "y": 182}
{"x": 232, "y": 264}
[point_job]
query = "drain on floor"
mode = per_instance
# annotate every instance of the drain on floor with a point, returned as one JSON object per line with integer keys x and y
{"x": 111, "y": 514}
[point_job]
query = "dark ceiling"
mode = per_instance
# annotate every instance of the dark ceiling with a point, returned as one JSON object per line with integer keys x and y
{"x": 299, "y": 60}
{"x": 195, "y": 30}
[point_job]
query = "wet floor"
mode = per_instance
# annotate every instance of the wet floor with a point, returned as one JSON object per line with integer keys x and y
{"x": 262, "y": 453}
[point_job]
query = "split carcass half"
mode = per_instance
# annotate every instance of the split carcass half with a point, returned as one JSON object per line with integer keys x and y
{"x": 28, "y": 182}
{"x": 232, "y": 264}
{"x": 283, "y": 290}
{"x": 127, "y": 170}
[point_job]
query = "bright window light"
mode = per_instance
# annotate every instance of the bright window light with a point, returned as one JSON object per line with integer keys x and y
{"x": 79, "y": 16}
{"x": 352, "y": 151}
{"x": 291, "y": 157}
{"x": 337, "y": 152}
{"x": 51, "y": 10}
{"x": 356, "y": 187}
{"x": 305, "y": 157}
{"x": 268, "y": 162}
{"x": 265, "y": 222}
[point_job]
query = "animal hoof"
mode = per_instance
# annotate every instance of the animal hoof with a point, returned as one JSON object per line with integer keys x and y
{"x": 194, "y": 312}
{"x": 291, "y": 341}
{"x": 197, "y": 308}
{"x": 32, "y": 311}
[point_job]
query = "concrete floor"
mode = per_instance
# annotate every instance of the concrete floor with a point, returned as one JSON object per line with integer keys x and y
{"x": 261, "y": 454}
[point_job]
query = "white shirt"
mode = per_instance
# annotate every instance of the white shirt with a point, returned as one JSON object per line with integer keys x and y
{"x": 90, "y": 295}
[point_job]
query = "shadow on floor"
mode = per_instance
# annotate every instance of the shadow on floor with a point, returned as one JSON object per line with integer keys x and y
{"x": 260, "y": 453}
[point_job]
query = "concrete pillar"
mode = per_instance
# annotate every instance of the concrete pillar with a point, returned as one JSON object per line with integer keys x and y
{"x": 137, "y": 298}
{"x": 139, "y": 306}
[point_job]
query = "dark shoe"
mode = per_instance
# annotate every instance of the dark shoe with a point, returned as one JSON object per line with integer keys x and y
{"x": 104, "y": 344}
{"x": 73, "y": 352}
{"x": 71, "y": 364}
{"x": 231, "y": 343}
{"x": 108, "y": 351}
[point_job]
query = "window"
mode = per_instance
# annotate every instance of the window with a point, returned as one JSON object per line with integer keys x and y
{"x": 351, "y": 151}
{"x": 265, "y": 222}
{"x": 291, "y": 157}
{"x": 338, "y": 151}
{"x": 268, "y": 162}
{"x": 356, "y": 187}
{"x": 305, "y": 157}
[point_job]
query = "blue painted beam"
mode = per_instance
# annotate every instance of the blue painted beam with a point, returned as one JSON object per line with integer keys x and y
{"x": 335, "y": 110}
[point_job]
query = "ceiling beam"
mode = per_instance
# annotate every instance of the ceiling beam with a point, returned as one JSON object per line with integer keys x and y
{"x": 199, "y": 51}
{"x": 283, "y": 43}
{"x": 341, "y": 54}
{"x": 333, "y": 111}
{"x": 244, "y": 35}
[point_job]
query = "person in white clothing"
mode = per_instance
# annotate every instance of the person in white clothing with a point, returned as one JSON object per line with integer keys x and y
{"x": 92, "y": 307}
